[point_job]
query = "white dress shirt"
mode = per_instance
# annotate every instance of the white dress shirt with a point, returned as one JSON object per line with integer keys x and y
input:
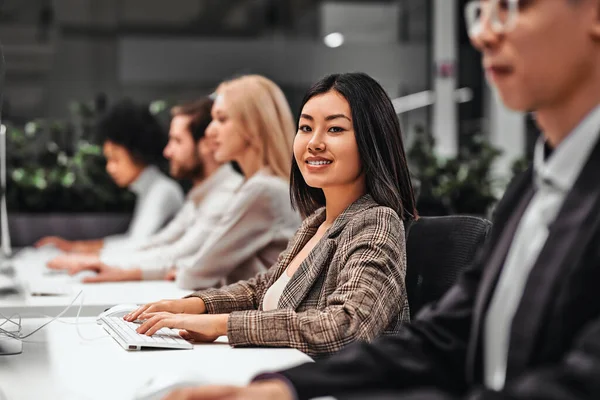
{"x": 553, "y": 179}
{"x": 158, "y": 199}
{"x": 219, "y": 186}
{"x": 182, "y": 237}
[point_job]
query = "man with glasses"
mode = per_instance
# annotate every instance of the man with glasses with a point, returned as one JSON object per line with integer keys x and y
{"x": 524, "y": 321}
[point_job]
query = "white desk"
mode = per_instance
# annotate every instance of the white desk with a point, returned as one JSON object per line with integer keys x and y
{"x": 97, "y": 296}
{"x": 57, "y": 364}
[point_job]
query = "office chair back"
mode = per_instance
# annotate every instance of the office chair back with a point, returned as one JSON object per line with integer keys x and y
{"x": 438, "y": 249}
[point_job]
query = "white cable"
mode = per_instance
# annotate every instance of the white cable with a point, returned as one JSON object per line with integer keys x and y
{"x": 9, "y": 319}
{"x": 52, "y": 320}
{"x": 34, "y": 315}
{"x": 77, "y": 326}
{"x": 18, "y": 335}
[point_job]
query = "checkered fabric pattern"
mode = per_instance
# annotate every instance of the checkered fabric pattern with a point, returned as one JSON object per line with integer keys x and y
{"x": 350, "y": 287}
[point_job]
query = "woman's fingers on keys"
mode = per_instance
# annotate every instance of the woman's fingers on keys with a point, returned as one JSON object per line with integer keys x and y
{"x": 151, "y": 308}
{"x": 136, "y": 313}
{"x": 148, "y": 309}
{"x": 150, "y": 321}
{"x": 132, "y": 316}
{"x": 165, "y": 321}
{"x": 143, "y": 328}
{"x": 157, "y": 326}
{"x": 147, "y": 315}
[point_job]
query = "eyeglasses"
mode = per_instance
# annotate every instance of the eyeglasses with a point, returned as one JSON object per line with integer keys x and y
{"x": 502, "y": 15}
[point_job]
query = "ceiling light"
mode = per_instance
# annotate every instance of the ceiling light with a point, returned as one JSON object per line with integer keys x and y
{"x": 334, "y": 39}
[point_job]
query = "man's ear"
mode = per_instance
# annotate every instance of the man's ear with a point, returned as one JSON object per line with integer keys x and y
{"x": 596, "y": 27}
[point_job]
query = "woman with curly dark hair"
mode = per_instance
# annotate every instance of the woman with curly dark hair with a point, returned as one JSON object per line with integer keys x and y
{"x": 133, "y": 144}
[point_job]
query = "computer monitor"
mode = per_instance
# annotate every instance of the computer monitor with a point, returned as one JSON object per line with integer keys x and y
{"x": 4, "y": 231}
{"x": 8, "y": 344}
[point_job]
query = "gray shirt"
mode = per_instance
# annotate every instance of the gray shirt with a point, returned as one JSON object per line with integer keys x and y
{"x": 553, "y": 179}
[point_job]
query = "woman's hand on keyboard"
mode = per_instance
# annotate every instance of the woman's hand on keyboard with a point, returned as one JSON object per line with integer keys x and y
{"x": 191, "y": 305}
{"x": 58, "y": 242}
{"x": 106, "y": 273}
{"x": 72, "y": 261}
{"x": 200, "y": 328}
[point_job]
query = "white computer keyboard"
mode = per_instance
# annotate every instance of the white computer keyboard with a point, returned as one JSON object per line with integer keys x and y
{"x": 125, "y": 334}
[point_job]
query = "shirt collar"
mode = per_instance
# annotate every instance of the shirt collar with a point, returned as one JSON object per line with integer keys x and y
{"x": 265, "y": 171}
{"x": 146, "y": 178}
{"x": 561, "y": 169}
{"x": 221, "y": 175}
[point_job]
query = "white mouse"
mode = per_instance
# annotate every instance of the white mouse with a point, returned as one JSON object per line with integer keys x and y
{"x": 119, "y": 310}
{"x": 160, "y": 386}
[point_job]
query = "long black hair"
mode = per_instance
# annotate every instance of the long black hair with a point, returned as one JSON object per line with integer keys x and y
{"x": 380, "y": 146}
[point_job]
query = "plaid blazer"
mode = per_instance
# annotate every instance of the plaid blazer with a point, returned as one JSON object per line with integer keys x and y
{"x": 349, "y": 288}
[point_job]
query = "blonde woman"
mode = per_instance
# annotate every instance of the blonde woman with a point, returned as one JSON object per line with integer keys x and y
{"x": 252, "y": 125}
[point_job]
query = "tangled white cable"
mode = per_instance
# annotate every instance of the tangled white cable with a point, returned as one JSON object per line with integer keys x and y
{"x": 16, "y": 322}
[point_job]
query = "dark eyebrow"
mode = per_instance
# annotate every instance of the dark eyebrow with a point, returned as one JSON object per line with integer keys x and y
{"x": 328, "y": 118}
{"x": 336, "y": 116}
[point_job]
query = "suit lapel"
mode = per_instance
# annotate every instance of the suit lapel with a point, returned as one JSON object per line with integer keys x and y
{"x": 319, "y": 257}
{"x": 308, "y": 272}
{"x": 568, "y": 238}
{"x": 508, "y": 215}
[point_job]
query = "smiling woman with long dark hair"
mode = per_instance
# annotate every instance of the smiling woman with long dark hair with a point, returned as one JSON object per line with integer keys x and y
{"x": 341, "y": 279}
{"x": 379, "y": 142}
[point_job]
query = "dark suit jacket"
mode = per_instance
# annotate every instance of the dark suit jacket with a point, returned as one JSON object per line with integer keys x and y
{"x": 554, "y": 349}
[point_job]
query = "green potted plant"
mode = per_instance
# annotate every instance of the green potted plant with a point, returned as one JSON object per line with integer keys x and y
{"x": 460, "y": 185}
{"x": 57, "y": 183}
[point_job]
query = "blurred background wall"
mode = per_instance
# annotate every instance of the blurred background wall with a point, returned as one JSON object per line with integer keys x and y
{"x": 66, "y": 60}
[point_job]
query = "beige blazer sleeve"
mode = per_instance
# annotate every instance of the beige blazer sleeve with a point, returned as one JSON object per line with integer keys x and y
{"x": 243, "y": 295}
{"x": 368, "y": 295}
